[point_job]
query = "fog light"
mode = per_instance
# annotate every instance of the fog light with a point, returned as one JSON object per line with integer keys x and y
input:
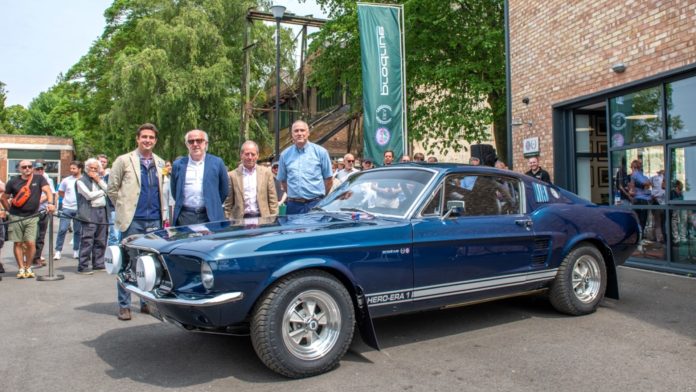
{"x": 148, "y": 272}
{"x": 207, "y": 275}
{"x": 113, "y": 259}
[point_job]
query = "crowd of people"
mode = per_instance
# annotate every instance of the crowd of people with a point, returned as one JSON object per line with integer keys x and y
{"x": 142, "y": 192}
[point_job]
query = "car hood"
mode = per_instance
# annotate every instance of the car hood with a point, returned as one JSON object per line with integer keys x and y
{"x": 206, "y": 237}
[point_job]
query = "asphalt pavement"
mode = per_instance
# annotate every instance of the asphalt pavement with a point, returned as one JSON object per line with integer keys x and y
{"x": 64, "y": 336}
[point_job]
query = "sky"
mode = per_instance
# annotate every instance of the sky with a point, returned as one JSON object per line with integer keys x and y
{"x": 40, "y": 39}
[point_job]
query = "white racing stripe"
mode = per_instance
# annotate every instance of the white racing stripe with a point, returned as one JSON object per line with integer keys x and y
{"x": 456, "y": 288}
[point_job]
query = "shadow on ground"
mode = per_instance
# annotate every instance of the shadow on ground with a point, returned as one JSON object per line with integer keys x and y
{"x": 166, "y": 356}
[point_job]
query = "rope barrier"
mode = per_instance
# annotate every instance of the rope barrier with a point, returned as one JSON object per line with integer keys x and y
{"x": 59, "y": 214}
{"x": 7, "y": 223}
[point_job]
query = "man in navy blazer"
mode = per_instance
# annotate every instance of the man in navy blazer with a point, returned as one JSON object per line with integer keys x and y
{"x": 199, "y": 183}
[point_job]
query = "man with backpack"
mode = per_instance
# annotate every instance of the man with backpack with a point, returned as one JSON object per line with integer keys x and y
{"x": 25, "y": 193}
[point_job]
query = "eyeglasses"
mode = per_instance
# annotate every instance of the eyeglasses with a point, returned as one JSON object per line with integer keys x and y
{"x": 26, "y": 166}
{"x": 191, "y": 142}
{"x": 350, "y": 160}
{"x": 38, "y": 168}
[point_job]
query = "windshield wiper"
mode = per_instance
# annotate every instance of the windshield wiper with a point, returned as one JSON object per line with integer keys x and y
{"x": 355, "y": 209}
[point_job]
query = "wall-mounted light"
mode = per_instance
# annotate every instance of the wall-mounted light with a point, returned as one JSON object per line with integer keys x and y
{"x": 525, "y": 100}
{"x": 618, "y": 67}
{"x": 516, "y": 122}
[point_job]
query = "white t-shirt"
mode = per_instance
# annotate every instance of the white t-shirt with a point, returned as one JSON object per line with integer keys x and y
{"x": 68, "y": 187}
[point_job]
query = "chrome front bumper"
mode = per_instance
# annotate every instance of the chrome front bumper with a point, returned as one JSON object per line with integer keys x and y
{"x": 217, "y": 300}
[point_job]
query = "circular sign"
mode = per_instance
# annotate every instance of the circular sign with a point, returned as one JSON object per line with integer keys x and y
{"x": 384, "y": 114}
{"x": 382, "y": 136}
{"x": 617, "y": 140}
{"x": 618, "y": 121}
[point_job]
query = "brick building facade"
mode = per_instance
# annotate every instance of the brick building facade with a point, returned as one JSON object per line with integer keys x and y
{"x": 56, "y": 152}
{"x": 602, "y": 84}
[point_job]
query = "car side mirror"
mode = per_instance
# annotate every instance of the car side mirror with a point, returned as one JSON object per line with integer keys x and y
{"x": 454, "y": 207}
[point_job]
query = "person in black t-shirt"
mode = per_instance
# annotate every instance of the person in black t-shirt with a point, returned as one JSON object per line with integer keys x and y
{"x": 23, "y": 231}
{"x": 536, "y": 171}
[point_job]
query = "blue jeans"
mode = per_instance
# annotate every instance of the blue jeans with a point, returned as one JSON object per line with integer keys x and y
{"x": 300, "y": 208}
{"x": 136, "y": 227}
{"x": 114, "y": 235}
{"x": 63, "y": 229}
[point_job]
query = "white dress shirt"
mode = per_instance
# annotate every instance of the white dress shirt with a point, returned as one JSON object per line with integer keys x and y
{"x": 193, "y": 186}
{"x": 251, "y": 206}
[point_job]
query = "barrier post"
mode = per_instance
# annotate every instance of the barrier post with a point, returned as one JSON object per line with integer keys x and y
{"x": 50, "y": 276}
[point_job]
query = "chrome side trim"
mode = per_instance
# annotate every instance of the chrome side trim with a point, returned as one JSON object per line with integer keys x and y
{"x": 217, "y": 300}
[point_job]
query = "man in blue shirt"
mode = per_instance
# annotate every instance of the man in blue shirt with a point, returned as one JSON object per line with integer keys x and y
{"x": 641, "y": 190}
{"x": 304, "y": 171}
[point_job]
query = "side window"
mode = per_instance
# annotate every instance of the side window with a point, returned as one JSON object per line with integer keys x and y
{"x": 483, "y": 195}
{"x": 509, "y": 195}
{"x": 433, "y": 206}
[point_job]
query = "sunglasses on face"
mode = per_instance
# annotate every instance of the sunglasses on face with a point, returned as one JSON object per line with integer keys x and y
{"x": 26, "y": 167}
{"x": 350, "y": 161}
{"x": 191, "y": 142}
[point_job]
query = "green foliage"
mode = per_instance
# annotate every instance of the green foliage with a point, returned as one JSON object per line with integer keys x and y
{"x": 177, "y": 64}
{"x": 455, "y": 70}
{"x": 11, "y": 118}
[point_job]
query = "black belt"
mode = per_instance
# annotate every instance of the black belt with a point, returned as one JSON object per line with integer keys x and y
{"x": 249, "y": 215}
{"x": 301, "y": 200}
{"x": 199, "y": 210}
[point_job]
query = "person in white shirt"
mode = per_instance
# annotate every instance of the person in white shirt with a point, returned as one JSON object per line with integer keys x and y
{"x": 348, "y": 169}
{"x": 67, "y": 191}
{"x": 657, "y": 195}
{"x": 252, "y": 187}
{"x": 199, "y": 183}
{"x": 93, "y": 208}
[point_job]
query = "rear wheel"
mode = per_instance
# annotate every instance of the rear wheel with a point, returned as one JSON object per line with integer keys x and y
{"x": 303, "y": 325}
{"x": 581, "y": 281}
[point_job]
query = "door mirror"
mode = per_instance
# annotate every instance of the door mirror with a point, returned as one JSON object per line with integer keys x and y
{"x": 454, "y": 207}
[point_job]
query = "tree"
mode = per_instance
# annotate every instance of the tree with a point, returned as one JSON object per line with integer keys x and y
{"x": 12, "y": 118}
{"x": 455, "y": 67}
{"x": 174, "y": 63}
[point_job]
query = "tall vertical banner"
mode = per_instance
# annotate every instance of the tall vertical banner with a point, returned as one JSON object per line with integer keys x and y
{"x": 384, "y": 79}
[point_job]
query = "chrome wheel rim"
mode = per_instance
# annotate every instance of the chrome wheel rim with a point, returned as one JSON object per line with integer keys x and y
{"x": 586, "y": 278}
{"x": 311, "y": 325}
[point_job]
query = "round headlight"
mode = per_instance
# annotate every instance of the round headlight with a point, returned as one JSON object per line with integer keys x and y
{"x": 207, "y": 275}
{"x": 147, "y": 272}
{"x": 113, "y": 259}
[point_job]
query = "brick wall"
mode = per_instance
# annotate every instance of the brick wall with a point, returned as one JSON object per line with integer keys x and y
{"x": 66, "y": 156}
{"x": 564, "y": 49}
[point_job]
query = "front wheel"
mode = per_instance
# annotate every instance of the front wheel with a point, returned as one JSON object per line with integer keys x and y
{"x": 581, "y": 282}
{"x": 303, "y": 325}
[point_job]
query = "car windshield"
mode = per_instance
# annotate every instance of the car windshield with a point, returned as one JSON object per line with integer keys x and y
{"x": 379, "y": 192}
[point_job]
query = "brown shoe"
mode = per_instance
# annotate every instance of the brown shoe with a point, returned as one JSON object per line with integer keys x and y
{"x": 145, "y": 309}
{"x": 124, "y": 314}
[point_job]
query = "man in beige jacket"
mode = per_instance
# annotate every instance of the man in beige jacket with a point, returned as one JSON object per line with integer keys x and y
{"x": 135, "y": 189}
{"x": 252, "y": 189}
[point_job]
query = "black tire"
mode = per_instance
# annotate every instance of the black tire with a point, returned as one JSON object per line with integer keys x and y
{"x": 284, "y": 321}
{"x": 580, "y": 282}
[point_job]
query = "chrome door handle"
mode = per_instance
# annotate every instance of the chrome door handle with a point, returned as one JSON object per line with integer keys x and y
{"x": 526, "y": 223}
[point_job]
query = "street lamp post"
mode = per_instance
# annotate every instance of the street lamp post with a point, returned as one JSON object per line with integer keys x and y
{"x": 277, "y": 11}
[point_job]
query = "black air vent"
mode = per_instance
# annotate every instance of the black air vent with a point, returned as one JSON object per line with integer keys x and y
{"x": 541, "y": 250}
{"x": 541, "y": 244}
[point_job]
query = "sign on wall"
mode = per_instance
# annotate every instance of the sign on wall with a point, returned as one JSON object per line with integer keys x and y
{"x": 530, "y": 147}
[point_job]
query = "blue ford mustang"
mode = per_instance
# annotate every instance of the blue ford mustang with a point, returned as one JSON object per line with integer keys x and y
{"x": 386, "y": 241}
